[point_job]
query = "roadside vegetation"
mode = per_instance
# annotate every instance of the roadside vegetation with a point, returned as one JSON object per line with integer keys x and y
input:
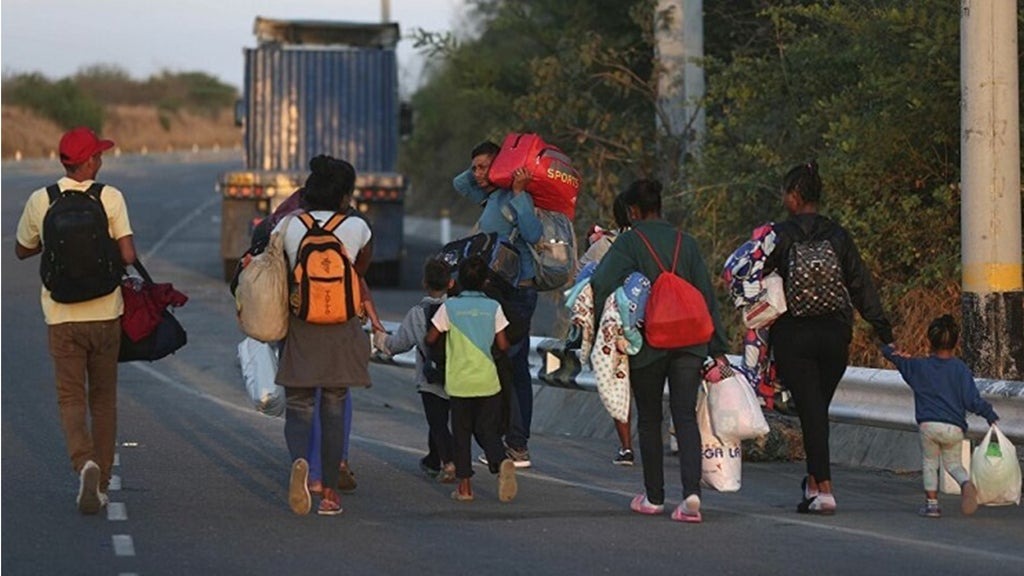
{"x": 870, "y": 89}
{"x": 168, "y": 110}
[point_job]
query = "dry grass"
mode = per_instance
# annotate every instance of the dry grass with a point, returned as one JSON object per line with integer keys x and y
{"x": 132, "y": 127}
{"x": 911, "y": 316}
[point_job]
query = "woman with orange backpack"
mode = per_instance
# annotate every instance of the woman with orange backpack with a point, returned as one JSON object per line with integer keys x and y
{"x": 326, "y": 347}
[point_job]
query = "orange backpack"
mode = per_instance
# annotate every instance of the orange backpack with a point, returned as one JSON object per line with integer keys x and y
{"x": 325, "y": 286}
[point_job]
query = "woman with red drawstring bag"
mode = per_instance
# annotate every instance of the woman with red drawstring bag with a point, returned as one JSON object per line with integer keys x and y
{"x": 654, "y": 247}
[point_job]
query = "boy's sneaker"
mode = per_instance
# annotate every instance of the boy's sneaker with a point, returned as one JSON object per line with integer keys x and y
{"x": 89, "y": 489}
{"x": 968, "y": 498}
{"x": 688, "y": 510}
{"x": 507, "y": 486}
{"x": 520, "y": 457}
{"x": 641, "y": 505}
{"x": 624, "y": 457}
{"x": 428, "y": 469}
{"x": 930, "y": 509}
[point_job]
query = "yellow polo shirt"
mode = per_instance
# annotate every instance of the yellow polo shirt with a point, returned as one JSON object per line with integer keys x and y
{"x": 30, "y": 228}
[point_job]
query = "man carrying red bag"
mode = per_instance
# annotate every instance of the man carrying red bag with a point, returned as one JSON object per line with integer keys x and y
{"x": 509, "y": 211}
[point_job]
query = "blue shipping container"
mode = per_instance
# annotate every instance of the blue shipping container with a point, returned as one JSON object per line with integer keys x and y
{"x": 307, "y": 100}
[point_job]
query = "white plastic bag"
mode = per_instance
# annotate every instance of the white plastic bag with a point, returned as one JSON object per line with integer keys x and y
{"x": 769, "y": 305}
{"x": 995, "y": 471}
{"x": 259, "y": 369}
{"x": 721, "y": 464}
{"x": 735, "y": 411}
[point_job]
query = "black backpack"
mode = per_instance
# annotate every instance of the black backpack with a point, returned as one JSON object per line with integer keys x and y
{"x": 80, "y": 260}
{"x": 815, "y": 286}
{"x": 434, "y": 356}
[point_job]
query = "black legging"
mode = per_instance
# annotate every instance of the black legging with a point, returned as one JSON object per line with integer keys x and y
{"x": 811, "y": 356}
{"x": 648, "y": 383}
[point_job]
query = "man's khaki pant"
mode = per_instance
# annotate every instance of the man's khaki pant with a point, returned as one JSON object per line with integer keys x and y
{"x": 85, "y": 363}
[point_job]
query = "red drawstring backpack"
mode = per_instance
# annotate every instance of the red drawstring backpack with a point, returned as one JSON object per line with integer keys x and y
{"x": 677, "y": 314}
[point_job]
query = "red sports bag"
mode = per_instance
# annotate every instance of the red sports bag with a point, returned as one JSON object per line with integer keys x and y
{"x": 554, "y": 183}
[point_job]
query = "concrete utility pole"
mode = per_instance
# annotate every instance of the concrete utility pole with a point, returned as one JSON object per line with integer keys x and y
{"x": 385, "y": 11}
{"x": 679, "y": 48}
{"x": 993, "y": 282}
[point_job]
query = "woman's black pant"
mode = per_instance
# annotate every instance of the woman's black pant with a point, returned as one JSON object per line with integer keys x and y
{"x": 811, "y": 355}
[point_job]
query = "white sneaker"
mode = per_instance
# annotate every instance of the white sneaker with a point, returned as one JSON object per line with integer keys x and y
{"x": 104, "y": 499}
{"x": 89, "y": 489}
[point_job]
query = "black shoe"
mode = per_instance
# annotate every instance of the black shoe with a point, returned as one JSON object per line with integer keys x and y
{"x": 624, "y": 457}
{"x": 428, "y": 469}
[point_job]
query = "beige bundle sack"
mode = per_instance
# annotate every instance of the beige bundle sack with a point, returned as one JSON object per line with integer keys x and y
{"x": 262, "y": 294}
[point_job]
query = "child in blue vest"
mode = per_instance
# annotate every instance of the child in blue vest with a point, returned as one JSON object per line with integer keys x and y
{"x": 437, "y": 280}
{"x": 944, "y": 390}
{"x": 474, "y": 324}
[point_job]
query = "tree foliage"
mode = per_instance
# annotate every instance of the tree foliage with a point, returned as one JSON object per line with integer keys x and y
{"x": 868, "y": 88}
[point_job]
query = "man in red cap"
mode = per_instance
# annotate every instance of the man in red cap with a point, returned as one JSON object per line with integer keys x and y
{"x": 74, "y": 221}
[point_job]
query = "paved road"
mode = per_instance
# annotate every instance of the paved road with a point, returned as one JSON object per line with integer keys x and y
{"x": 203, "y": 477}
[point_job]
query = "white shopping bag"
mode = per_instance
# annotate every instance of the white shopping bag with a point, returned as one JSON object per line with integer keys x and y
{"x": 259, "y": 369}
{"x": 995, "y": 471}
{"x": 735, "y": 411}
{"x": 721, "y": 464}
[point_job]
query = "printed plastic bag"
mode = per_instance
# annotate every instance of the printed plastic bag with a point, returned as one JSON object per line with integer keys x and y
{"x": 721, "y": 464}
{"x": 735, "y": 411}
{"x": 995, "y": 471}
{"x": 259, "y": 369}
{"x": 768, "y": 305}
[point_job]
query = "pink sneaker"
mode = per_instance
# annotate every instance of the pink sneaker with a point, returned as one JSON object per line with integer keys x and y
{"x": 688, "y": 510}
{"x": 642, "y": 505}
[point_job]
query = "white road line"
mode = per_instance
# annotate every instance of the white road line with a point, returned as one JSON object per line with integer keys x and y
{"x": 115, "y": 483}
{"x": 117, "y": 458}
{"x": 123, "y": 545}
{"x": 888, "y": 538}
{"x": 204, "y": 207}
{"x": 117, "y": 511}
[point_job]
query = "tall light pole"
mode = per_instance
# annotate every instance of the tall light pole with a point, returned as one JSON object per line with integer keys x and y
{"x": 679, "y": 50}
{"x": 993, "y": 282}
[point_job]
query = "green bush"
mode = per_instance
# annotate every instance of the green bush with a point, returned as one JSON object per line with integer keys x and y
{"x": 62, "y": 101}
{"x": 79, "y": 100}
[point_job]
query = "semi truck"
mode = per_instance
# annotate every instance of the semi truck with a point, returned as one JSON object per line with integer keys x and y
{"x": 319, "y": 87}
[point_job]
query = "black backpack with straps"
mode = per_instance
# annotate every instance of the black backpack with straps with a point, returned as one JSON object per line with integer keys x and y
{"x": 80, "y": 260}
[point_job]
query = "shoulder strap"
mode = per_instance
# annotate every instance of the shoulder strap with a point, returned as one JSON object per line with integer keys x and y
{"x": 334, "y": 221}
{"x": 53, "y": 192}
{"x": 307, "y": 219}
{"x": 94, "y": 190}
{"x": 675, "y": 254}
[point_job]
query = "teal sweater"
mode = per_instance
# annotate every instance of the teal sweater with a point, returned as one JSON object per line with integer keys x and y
{"x": 629, "y": 254}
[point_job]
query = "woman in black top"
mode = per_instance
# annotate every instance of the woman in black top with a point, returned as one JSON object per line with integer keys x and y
{"x": 811, "y": 340}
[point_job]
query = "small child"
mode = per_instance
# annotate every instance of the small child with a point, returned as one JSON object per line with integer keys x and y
{"x": 437, "y": 281}
{"x": 473, "y": 323}
{"x": 944, "y": 391}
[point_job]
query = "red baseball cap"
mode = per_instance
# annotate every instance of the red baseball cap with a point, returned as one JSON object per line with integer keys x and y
{"x": 80, "y": 144}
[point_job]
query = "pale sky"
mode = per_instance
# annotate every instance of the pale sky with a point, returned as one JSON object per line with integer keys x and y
{"x": 144, "y": 37}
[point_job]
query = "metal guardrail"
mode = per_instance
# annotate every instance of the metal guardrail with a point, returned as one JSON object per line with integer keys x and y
{"x": 866, "y": 396}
